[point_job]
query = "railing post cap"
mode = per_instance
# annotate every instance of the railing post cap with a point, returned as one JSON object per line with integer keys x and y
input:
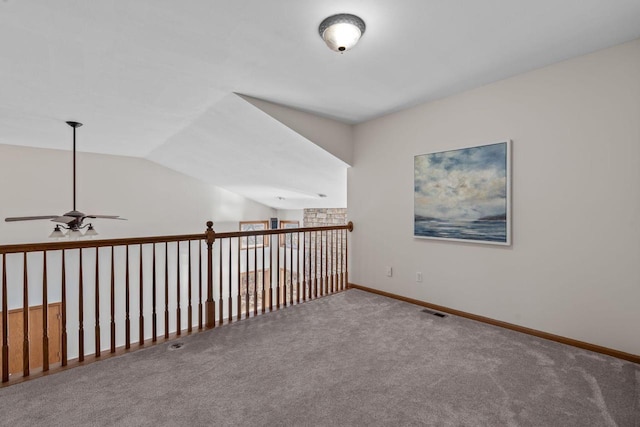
{"x": 209, "y": 224}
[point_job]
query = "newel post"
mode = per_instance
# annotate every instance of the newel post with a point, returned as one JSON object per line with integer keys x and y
{"x": 210, "y": 306}
{"x": 346, "y": 255}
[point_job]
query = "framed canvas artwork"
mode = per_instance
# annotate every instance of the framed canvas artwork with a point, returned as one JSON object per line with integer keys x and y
{"x": 464, "y": 194}
{"x": 254, "y": 241}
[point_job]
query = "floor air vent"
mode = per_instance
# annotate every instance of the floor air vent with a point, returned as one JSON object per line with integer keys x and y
{"x": 433, "y": 313}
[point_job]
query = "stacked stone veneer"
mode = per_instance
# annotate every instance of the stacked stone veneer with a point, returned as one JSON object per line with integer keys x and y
{"x": 320, "y": 217}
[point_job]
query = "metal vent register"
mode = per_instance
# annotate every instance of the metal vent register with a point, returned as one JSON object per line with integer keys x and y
{"x": 434, "y": 313}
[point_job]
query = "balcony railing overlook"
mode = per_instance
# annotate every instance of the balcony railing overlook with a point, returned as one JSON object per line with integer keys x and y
{"x": 66, "y": 303}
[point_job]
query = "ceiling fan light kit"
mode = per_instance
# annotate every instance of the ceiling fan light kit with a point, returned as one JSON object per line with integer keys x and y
{"x": 73, "y": 221}
{"x": 342, "y": 31}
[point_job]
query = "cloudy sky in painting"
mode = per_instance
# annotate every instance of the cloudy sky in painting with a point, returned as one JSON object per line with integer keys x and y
{"x": 462, "y": 184}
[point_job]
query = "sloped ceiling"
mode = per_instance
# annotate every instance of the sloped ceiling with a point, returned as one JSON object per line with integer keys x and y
{"x": 244, "y": 150}
{"x": 158, "y": 78}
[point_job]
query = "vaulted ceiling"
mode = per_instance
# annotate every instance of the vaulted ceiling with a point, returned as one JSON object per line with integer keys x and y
{"x": 162, "y": 79}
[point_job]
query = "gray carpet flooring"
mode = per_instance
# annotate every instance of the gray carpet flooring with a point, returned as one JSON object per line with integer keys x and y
{"x": 353, "y": 359}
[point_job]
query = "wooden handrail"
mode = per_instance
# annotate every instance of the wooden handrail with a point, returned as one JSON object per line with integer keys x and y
{"x": 291, "y": 273}
{"x": 348, "y": 227}
{"x": 77, "y": 244}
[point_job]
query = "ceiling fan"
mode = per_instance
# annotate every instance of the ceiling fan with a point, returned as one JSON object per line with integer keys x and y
{"x": 74, "y": 219}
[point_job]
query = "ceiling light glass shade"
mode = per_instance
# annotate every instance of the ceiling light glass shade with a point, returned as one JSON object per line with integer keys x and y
{"x": 91, "y": 231}
{"x": 341, "y": 32}
{"x": 74, "y": 234}
{"x": 56, "y": 233}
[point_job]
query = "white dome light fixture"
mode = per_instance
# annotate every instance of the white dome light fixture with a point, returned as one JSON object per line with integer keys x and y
{"x": 341, "y": 32}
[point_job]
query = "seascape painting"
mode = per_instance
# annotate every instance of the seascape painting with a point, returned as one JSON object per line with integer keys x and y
{"x": 464, "y": 195}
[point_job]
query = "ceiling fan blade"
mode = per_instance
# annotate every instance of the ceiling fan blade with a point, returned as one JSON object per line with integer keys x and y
{"x": 29, "y": 218}
{"x": 63, "y": 219}
{"x": 106, "y": 217}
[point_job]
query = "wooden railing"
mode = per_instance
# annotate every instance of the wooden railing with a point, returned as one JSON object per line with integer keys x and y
{"x": 145, "y": 289}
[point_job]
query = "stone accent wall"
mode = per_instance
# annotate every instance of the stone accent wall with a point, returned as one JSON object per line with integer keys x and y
{"x": 317, "y": 217}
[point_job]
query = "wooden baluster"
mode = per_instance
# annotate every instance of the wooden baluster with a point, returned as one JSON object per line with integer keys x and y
{"x": 309, "y": 273}
{"x": 298, "y": 268}
{"x": 220, "y": 300}
{"x": 127, "y": 302}
{"x": 339, "y": 260}
{"x": 323, "y": 258}
{"x": 345, "y": 284}
{"x": 336, "y": 260}
{"x": 141, "y": 303}
{"x": 240, "y": 276}
{"x": 45, "y": 316}
{"x": 310, "y": 258}
{"x": 112, "y": 324}
{"x": 80, "y": 310}
{"x": 321, "y": 281}
{"x": 246, "y": 277}
{"x": 255, "y": 276}
{"x": 5, "y": 322}
{"x": 264, "y": 269}
{"x": 312, "y": 264}
{"x": 230, "y": 284}
{"x": 323, "y": 261}
{"x": 189, "y": 307}
{"x": 97, "y": 305}
{"x": 320, "y": 284}
{"x": 178, "y": 310}
{"x": 304, "y": 265}
{"x": 166, "y": 290}
{"x": 327, "y": 273}
{"x": 64, "y": 337}
{"x": 276, "y": 247}
{"x": 284, "y": 273}
{"x": 25, "y": 317}
{"x": 154, "y": 315}
{"x": 291, "y": 267}
{"x": 271, "y": 273}
{"x": 328, "y": 262}
{"x": 220, "y": 286}
{"x": 315, "y": 264}
{"x": 346, "y": 255}
{"x": 200, "y": 323}
{"x": 332, "y": 262}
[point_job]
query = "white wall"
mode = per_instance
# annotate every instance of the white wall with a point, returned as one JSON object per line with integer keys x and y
{"x": 291, "y": 215}
{"x": 154, "y": 199}
{"x": 574, "y": 266}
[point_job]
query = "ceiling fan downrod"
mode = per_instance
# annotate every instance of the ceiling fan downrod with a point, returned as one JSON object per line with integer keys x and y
{"x": 74, "y": 125}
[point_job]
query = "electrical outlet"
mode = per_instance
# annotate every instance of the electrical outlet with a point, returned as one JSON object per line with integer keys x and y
{"x": 419, "y": 277}
{"x": 389, "y": 271}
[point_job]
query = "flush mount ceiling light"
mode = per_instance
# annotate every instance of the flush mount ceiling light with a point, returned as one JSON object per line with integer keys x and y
{"x": 342, "y": 31}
